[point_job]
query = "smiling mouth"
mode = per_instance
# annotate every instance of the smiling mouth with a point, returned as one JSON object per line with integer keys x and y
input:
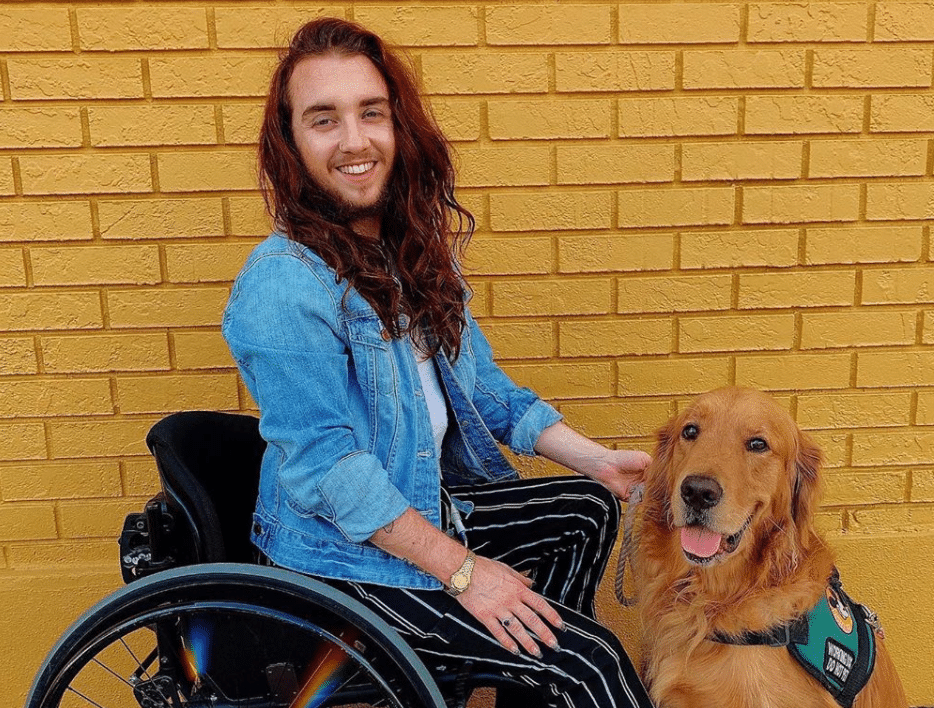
{"x": 356, "y": 169}
{"x": 701, "y": 546}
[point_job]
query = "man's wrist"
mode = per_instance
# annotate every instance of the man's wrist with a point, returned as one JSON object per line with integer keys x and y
{"x": 460, "y": 579}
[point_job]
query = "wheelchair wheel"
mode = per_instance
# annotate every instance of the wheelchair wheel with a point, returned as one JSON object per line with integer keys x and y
{"x": 230, "y": 635}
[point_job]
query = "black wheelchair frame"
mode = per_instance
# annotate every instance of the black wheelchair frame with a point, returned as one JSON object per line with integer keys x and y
{"x": 202, "y": 624}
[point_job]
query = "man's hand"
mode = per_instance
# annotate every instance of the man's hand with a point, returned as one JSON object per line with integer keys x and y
{"x": 624, "y": 469}
{"x": 502, "y": 600}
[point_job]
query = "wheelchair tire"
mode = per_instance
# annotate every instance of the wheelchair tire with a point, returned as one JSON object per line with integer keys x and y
{"x": 229, "y": 635}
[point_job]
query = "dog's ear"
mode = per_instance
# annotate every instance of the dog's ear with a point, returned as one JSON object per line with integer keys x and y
{"x": 805, "y": 485}
{"x": 656, "y": 476}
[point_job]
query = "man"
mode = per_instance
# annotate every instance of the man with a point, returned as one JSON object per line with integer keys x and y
{"x": 382, "y": 405}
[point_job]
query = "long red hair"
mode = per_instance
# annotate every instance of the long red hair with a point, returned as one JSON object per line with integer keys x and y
{"x": 424, "y": 229}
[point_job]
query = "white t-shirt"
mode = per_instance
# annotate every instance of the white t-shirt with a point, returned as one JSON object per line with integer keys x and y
{"x": 434, "y": 397}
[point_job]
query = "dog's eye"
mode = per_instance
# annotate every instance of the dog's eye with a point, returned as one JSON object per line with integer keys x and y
{"x": 690, "y": 432}
{"x": 757, "y": 445}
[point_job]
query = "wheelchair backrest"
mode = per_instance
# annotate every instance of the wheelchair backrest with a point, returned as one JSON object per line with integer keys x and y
{"x": 209, "y": 466}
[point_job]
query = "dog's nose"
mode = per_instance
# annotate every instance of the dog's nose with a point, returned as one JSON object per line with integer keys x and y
{"x": 701, "y": 492}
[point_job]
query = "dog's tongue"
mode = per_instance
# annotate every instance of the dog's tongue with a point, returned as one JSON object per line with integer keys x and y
{"x": 700, "y": 542}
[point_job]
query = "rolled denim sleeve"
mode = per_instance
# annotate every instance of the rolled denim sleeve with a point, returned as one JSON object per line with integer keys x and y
{"x": 282, "y": 328}
{"x": 515, "y": 415}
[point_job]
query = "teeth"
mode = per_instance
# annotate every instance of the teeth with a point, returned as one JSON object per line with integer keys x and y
{"x": 356, "y": 169}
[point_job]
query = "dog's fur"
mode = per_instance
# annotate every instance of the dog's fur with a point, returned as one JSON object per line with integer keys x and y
{"x": 777, "y": 570}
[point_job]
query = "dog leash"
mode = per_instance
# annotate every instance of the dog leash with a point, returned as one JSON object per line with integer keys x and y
{"x": 625, "y": 551}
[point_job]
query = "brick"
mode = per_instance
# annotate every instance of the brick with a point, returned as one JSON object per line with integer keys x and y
{"x": 265, "y": 27}
{"x": 881, "y": 244}
{"x": 894, "y": 368}
{"x": 554, "y": 24}
{"x": 521, "y": 340}
{"x": 729, "y": 333}
{"x": 80, "y": 77}
{"x": 7, "y": 184}
{"x": 99, "y": 438}
{"x": 620, "y": 252}
{"x": 898, "y": 202}
{"x": 112, "y": 29}
{"x": 793, "y": 371}
{"x": 461, "y": 73}
{"x": 45, "y": 221}
{"x": 248, "y": 217}
{"x": 868, "y": 158}
{"x": 510, "y": 256}
{"x": 140, "y": 477}
{"x": 822, "y": 330}
{"x": 551, "y": 297}
{"x": 29, "y": 30}
{"x": 615, "y": 164}
{"x": 671, "y": 376}
{"x": 877, "y": 67}
{"x": 756, "y": 68}
{"x": 157, "y": 393}
{"x": 608, "y": 419}
{"x": 834, "y": 447}
{"x": 800, "y": 203}
{"x": 871, "y": 448}
{"x": 242, "y": 122}
{"x": 22, "y": 441}
{"x": 614, "y": 337}
{"x": 898, "y": 286}
{"x": 422, "y": 26}
{"x": 798, "y": 289}
{"x": 152, "y": 125}
{"x": 26, "y": 521}
{"x": 807, "y": 22}
{"x": 12, "y": 267}
{"x": 684, "y": 23}
{"x": 902, "y": 113}
{"x": 207, "y": 76}
{"x": 40, "y": 127}
{"x": 547, "y": 119}
{"x": 73, "y": 480}
{"x": 105, "y": 352}
{"x": 676, "y": 207}
{"x": 49, "y": 310}
{"x": 886, "y": 522}
{"x": 199, "y": 263}
{"x": 56, "y": 555}
{"x": 777, "y": 248}
{"x": 904, "y": 22}
{"x": 678, "y": 116}
{"x": 502, "y": 166}
{"x": 149, "y": 307}
{"x": 94, "y": 519}
{"x": 200, "y": 350}
{"x": 928, "y": 337}
{"x": 207, "y": 171}
{"x": 459, "y": 118}
{"x": 85, "y": 173}
{"x": 796, "y": 115}
{"x": 161, "y": 218}
{"x": 864, "y": 409}
{"x": 922, "y": 486}
{"x": 18, "y": 355}
{"x": 639, "y": 294}
{"x": 86, "y": 265}
{"x": 563, "y": 381}
{"x": 550, "y": 211}
{"x": 615, "y": 71}
{"x": 739, "y": 161}
{"x": 36, "y": 398}
{"x": 862, "y": 488}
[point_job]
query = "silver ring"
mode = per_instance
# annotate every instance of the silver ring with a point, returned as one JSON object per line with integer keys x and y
{"x": 506, "y": 622}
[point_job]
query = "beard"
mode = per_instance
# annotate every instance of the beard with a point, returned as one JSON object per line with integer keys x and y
{"x": 335, "y": 208}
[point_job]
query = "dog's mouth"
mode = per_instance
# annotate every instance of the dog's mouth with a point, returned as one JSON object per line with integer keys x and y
{"x": 701, "y": 546}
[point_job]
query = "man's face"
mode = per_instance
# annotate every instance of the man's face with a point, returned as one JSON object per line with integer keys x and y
{"x": 342, "y": 125}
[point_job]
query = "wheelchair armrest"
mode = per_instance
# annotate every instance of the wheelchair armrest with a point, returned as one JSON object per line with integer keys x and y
{"x": 147, "y": 541}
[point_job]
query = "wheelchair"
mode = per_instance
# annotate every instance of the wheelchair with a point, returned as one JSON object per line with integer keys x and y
{"x": 202, "y": 623}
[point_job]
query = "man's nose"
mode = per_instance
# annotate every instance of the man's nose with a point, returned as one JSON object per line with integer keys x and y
{"x": 354, "y": 137}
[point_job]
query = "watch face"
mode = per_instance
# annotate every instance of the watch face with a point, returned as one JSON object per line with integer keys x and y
{"x": 459, "y": 582}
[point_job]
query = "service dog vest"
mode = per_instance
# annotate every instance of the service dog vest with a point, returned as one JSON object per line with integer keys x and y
{"x": 834, "y": 642}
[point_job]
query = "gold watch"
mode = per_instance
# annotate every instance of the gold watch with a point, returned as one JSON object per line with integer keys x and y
{"x": 460, "y": 581}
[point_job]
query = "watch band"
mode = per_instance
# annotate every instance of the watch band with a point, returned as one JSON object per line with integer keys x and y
{"x": 460, "y": 580}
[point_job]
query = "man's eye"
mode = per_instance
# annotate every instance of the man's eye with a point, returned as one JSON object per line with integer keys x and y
{"x": 690, "y": 432}
{"x": 757, "y": 445}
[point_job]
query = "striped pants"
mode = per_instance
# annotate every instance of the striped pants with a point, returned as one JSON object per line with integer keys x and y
{"x": 559, "y": 530}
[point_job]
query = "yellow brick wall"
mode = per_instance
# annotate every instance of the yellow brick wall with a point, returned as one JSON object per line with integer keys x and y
{"x": 670, "y": 197}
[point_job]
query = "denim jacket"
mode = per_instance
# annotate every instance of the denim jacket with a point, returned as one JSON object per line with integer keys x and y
{"x": 350, "y": 444}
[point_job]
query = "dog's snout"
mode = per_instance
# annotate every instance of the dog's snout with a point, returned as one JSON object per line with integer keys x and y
{"x": 701, "y": 493}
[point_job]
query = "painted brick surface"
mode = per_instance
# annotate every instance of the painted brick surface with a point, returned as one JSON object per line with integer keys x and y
{"x": 669, "y": 197}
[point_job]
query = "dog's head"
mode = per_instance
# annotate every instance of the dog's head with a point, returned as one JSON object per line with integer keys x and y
{"x": 731, "y": 472}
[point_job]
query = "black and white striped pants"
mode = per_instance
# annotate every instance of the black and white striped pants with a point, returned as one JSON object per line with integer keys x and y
{"x": 561, "y": 530}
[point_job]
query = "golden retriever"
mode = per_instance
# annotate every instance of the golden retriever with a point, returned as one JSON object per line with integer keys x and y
{"x": 726, "y": 546}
